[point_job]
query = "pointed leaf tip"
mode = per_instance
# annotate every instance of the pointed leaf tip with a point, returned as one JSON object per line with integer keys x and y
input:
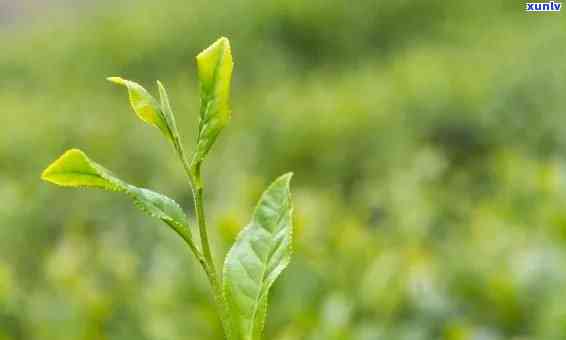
{"x": 287, "y": 177}
{"x": 221, "y": 44}
{"x": 117, "y": 80}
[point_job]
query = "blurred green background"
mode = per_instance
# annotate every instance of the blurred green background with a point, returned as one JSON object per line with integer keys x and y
{"x": 428, "y": 142}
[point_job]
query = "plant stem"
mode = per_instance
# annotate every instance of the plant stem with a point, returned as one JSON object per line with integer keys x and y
{"x": 205, "y": 257}
{"x": 210, "y": 268}
{"x": 199, "y": 208}
{"x": 195, "y": 181}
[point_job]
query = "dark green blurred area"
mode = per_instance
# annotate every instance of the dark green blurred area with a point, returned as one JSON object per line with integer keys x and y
{"x": 428, "y": 142}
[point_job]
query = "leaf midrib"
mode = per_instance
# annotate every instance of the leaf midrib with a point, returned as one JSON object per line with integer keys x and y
{"x": 263, "y": 274}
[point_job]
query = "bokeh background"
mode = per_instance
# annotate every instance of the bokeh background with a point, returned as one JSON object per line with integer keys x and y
{"x": 428, "y": 141}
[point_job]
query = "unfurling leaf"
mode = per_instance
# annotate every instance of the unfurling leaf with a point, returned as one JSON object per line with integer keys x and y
{"x": 214, "y": 66}
{"x": 259, "y": 255}
{"x": 168, "y": 115}
{"x": 149, "y": 110}
{"x": 75, "y": 169}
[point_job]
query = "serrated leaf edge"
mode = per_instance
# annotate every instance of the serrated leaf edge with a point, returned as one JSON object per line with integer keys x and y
{"x": 241, "y": 234}
{"x": 116, "y": 185}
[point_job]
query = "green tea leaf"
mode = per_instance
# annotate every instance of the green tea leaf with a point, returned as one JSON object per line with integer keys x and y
{"x": 148, "y": 109}
{"x": 261, "y": 252}
{"x": 214, "y": 66}
{"x": 168, "y": 115}
{"x": 75, "y": 169}
{"x": 159, "y": 206}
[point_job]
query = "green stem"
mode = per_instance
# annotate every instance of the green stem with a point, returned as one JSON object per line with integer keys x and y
{"x": 199, "y": 208}
{"x": 210, "y": 268}
{"x": 211, "y": 274}
{"x": 205, "y": 258}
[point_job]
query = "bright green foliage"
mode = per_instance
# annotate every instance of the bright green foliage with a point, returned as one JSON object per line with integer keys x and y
{"x": 148, "y": 109}
{"x": 261, "y": 252}
{"x": 75, "y": 169}
{"x": 160, "y": 206}
{"x": 215, "y": 74}
{"x": 420, "y": 136}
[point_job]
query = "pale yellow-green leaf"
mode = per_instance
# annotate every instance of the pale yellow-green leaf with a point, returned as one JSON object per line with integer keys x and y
{"x": 146, "y": 106}
{"x": 214, "y": 66}
{"x": 75, "y": 169}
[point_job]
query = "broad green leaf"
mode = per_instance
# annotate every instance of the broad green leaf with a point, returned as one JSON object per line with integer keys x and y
{"x": 75, "y": 169}
{"x": 261, "y": 252}
{"x": 148, "y": 109}
{"x": 214, "y": 66}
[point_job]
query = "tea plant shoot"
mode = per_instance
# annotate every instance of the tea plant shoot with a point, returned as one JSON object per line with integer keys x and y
{"x": 261, "y": 251}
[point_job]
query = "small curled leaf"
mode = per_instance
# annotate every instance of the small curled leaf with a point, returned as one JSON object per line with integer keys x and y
{"x": 168, "y": 115}
{"x": 214, "y": 66}
{"x": 75, "y": 169}
{"x": 149, "y": 109}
